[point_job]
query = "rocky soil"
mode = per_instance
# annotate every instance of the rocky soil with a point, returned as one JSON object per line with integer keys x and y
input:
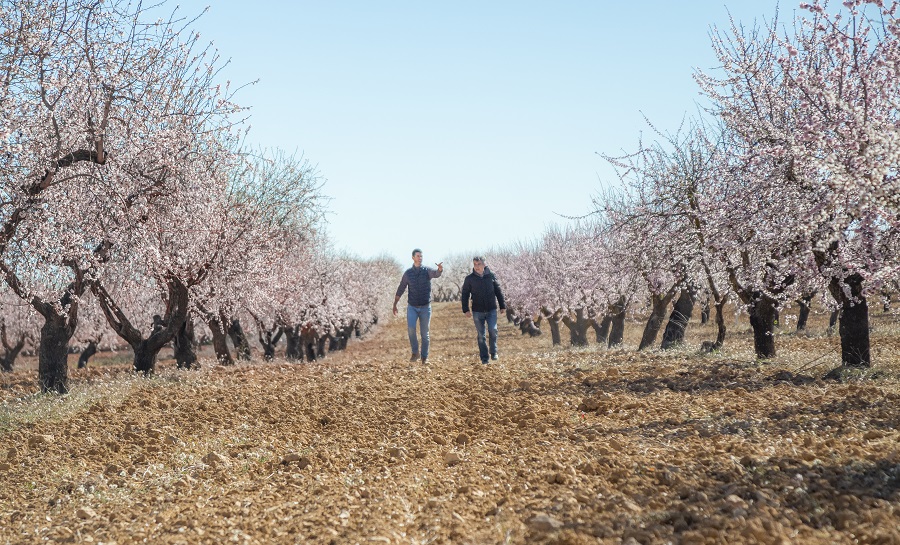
{"x": 548, "y": 445}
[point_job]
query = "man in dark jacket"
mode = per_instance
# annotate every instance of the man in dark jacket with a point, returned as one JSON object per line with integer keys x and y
{"x": 485, "y": 292}
{"x": 418, "y": 279}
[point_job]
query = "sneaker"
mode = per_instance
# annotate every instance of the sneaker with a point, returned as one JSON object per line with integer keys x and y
{"x": 424, "y": 361}
{"x": 495, "y": 357}
{"x": 485, "y": 362}
{"x": 415, "y": 357}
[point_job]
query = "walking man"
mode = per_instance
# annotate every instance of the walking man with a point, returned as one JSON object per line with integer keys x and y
{"x": 482, "y": 286}
{"x": 418, "y": 279}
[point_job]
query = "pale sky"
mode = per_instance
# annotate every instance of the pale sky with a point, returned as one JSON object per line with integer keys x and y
{"x": 466, "y": 125}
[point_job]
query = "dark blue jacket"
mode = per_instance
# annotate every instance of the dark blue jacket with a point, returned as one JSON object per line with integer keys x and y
{"x": 418, "y": 279}
{"x": 484, "y": 290}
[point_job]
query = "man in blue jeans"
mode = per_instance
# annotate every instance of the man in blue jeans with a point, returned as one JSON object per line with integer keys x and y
{"x": 485, "y": 292}
{"x": 418, "y": 279}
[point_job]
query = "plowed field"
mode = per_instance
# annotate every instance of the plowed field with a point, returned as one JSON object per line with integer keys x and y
{"x": 547, "y": 445}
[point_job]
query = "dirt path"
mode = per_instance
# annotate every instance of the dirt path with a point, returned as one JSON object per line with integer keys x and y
{"x": 548, "y": 445}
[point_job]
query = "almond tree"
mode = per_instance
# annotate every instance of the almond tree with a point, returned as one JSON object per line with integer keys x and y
{"x": 669, "y": 197}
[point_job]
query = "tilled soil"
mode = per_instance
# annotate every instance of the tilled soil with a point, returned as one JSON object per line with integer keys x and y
{"x": 546, "y": 445}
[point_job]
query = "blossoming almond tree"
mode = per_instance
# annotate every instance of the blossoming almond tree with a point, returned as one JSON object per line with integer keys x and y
{"x": 670, "y": 196}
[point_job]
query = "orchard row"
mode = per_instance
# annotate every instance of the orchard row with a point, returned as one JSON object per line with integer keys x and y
{"x": 131, "y": 204}
{"x": 785, "y": 190}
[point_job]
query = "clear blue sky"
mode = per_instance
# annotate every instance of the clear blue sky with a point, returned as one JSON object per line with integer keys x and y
{"x": 463, "y": 125}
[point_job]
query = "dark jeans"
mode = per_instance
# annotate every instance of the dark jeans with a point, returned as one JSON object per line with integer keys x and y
{"x": 423, "y": 315}
{"x": 489, "y": 318}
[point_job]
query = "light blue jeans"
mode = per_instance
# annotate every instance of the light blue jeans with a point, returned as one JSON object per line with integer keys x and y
{"x": 489, "y": 318}
{"x": 423, "y": 315}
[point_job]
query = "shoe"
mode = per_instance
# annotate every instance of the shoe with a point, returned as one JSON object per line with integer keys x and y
{"x": 495, "y": 357}
{"x": 424, "y": 361}
{"x": 485, "y": 362}
{"x": 415, "y": 357}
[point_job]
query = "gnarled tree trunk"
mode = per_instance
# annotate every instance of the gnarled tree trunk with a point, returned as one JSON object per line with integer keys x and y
{"x": 577, "y": 327}
{"x": 239, "y": 340}
{"x": 53, "y": 353}
{"x": 147, "y": 349}
{"x": 832, "y": 321}
{"x": 320, "y": 346}
{"x": 678, "y": 320}
{"x": 803, "y": 315}
{"x": 659, "y": 303}
{"x": 854, "y": 321}
{"x": 617, "y": 322}
{"x": 293, "y": 350}
{"x": 553, "y": 319}
{"x": 763, "y": 312}
{"x": 219, "y": 340}
{"x": 601, "y": 329}
{"x": 11, "y": 351}
{"x": 86, "y": 354}
{"x": 526, "y": 325}
{"x": 185, "y": 345}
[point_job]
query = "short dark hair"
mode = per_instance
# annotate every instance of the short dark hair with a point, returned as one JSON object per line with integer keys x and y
{"x": 414, "y": 252}
{"x": 478, "y": 258}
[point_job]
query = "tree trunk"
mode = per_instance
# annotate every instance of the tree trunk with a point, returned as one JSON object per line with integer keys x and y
{"x": 659, "y": 305}
{"x": 832, "y": 321}
{"x": 803, "y": 317}
{"x": 854, "y": 322}
{"x": 146, "y": 350}
{"x": 185, "y": 344}
{"x": 601, "y": 330}
{"x": 527, "y": 326}
{"x": 12, "y": 352}
{"x": 617, "y": 323}
{"x": 268, "y": 340}
{"x": 268, "y": 351}
{"x": 86, "y": 354}
{"x": 720, "y": 322}
{"x": 678, "y": 320}
{"x": 144, "y": 358}
{"x": 704, "y": 312}
{"x": 293, "y": 350}
{"x": 577, "y": 328}
{"x": 553, "y": 320}
{"x": 762, "y": 319}
{"x": 320, "y": 346}
{"x": 239, "y": 339}
{"x": 345, "y": 336}
{"x": 53, "y": 353}
{"x": 6, "y": 363}
{"x": 309, "y": 347}
{"x": 220, "y": 342}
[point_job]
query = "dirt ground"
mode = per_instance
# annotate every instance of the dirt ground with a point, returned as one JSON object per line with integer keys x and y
{"x": 548, "y": 445}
